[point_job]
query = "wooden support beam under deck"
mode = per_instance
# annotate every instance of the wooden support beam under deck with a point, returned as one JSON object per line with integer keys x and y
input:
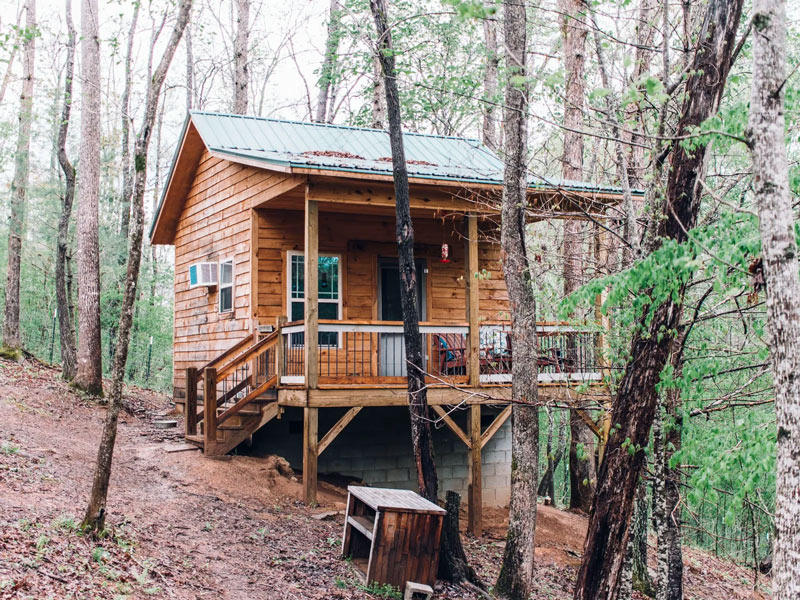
{"x": 451, "y": 424}
{"x": 475, "y": 485}
{"x": 495, "y": 426}
{"x": 334, "y": 431}
{"x": 311, "y": 283}
{"x": 310, "y": 454}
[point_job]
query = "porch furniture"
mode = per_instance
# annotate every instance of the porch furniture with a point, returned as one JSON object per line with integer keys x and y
{"x": 450, "y": 353}
{"x": 392, "y": 535}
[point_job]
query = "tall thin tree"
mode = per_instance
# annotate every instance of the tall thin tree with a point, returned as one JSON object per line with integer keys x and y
{"x": 491, "y": 135}
{"x": 637, "y": 397}
{"x": 94, "y": 519}
{"x": 516, "y": 573}
{"x": 89, "y": 375}
{"x": 125, "y": 125}
{"x": 421, "y": 440}
{"x": 65, "y": 325}
{"x": 328, "y": 69}
{"x": 582, "y": 462}
{"x": 241, "y": 68}
{"x": 19, "y": 184}
{"x": 766, "y": 132}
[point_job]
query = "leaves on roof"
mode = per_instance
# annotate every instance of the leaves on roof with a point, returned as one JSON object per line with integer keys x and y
{"x": 410, "y": 162}
{"x": 333, "y": 154}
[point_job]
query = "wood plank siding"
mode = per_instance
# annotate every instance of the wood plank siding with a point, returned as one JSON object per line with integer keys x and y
{"x": 218, "y": 220}
{"x": 214, "y": 224}
{"x": 361, "y": 240}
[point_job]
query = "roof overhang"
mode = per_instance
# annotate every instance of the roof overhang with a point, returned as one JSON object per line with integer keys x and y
{"x": 553, "y": 199}
{"x": 181, "y": 173}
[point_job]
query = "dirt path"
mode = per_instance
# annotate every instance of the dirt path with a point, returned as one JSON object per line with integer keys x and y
{"x": 187, "y": 527}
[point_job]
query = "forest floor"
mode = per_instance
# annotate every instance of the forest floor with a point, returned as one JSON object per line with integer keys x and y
{"x": 181, "y": 526}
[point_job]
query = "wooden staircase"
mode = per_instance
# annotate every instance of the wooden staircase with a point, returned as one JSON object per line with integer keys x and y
{"x": 239, "y": 395}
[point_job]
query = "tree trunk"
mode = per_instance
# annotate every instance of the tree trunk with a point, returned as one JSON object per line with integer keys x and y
{"x": 491, "y": 135}
{"x": 453, "y": 565}
{"x": 94, "y": 518}
{"x": 667, "y": 518}
{"x": 547, "y": 483}
{"x": 189, "y": 68}
{"x": 89, "y": 375}
{"x": 640, "y": 575}
{"x": 241, "y": 74}
{"x": 127, "y": 172}
{"x": 631, "y": 248}
{"x": 637, "y": 396}
{"x": 421, "y": 440}
{"x": 328, "y": 69}
{"x": 65, "y": 327}
{"x": 378, "y": 96}
{"x": 10, "y": 64}
{"x": 516, "y": 573}
{"x": 582, "y": 462}
{"x": 19, "y": 184}
{"x": 779, "y": 249}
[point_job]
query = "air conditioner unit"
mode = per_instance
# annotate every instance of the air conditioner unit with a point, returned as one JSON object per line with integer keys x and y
{"x": 204, "y": 274}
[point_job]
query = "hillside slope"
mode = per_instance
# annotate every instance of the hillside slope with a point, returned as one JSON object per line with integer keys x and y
{"x": 186, "y": 527}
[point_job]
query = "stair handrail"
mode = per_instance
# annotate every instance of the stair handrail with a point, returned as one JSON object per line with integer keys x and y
{"x": 210, "y": 373}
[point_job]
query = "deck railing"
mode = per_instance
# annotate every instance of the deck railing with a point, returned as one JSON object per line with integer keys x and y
{"x": 373, "y": 352}
{"x": 230, "y": 382}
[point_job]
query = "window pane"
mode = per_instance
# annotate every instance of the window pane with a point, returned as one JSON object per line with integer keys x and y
{"x": 226, "y": 299}
{"x": 329, "y": 277}
{"x": 328, "y": 310}
{"x": 297, "y": 311}
{"x": 226, "y": 273}
{"x": 297, "y": 276}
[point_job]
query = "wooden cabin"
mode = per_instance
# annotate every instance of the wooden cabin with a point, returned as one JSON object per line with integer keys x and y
{"x": 287, "y": 287}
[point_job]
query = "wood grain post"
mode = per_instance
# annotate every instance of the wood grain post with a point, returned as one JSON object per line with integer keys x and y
{"x": 311, "y": 262}
{"x": 280, "y": 357}
{"x": 190, "y": 408}
{"x": 310, "y": 442}
{"x": 472, "y": 296}
{"x": 209, "y": 410}
{"x": 475, "y": 489}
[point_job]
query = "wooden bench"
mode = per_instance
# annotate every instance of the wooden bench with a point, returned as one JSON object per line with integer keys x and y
{"x": 392, "y": 536}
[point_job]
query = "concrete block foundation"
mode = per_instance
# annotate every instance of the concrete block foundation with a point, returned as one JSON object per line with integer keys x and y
{"x": 376, "y": 448}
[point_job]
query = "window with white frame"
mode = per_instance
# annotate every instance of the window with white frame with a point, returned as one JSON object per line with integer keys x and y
{"x": 329, "y": 294}
{"x": 226, "y": 285}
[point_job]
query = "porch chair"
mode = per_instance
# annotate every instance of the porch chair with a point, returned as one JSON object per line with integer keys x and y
{"x": 450, "y": 353}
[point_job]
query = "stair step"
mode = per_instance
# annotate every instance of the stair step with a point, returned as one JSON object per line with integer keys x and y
{"x": 248, "y": 411}
{"x": 227, "y": 425}
{"x": 195, "y": 439}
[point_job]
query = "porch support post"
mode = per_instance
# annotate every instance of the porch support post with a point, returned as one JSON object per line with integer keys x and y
{"x": 311, "y": 292}
{"x": 190, "y": 408}
{"x": 472, "y": 295}
{"x": 254, "y": 271}
{"x": 209, "y": 410}
{"x": 310, "y": 441}
{"x": 475, "y": 493}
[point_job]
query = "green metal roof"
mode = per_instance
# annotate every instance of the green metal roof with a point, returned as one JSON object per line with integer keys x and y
{"x": 295, "y": 144}
{"x": 360, "y": 150}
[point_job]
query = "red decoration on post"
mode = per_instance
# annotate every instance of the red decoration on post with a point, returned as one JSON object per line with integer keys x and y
{"x": 445, "y": 253}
